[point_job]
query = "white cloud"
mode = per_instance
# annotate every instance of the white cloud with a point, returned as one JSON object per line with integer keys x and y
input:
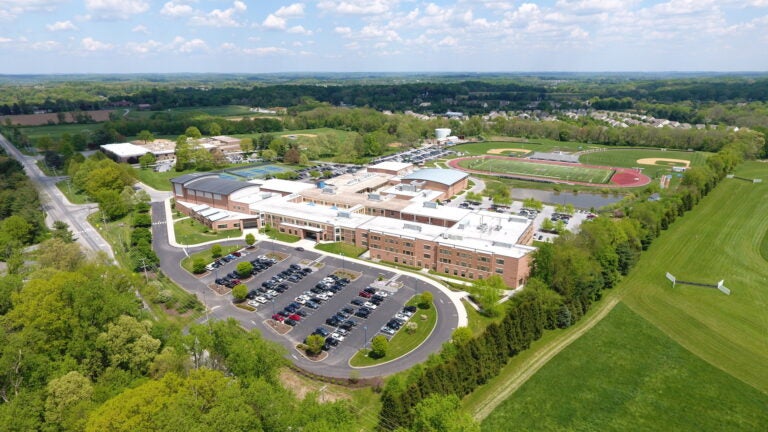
{"x": 10, "y": 9}
{"x": 374, "y": 32}
{"x": 140, "y": 29}
{"x": 595, "y": 5}
{"x": 61, "y": 26}
{"x": 5, "y": 40}
{"x": 273, "y": 22}
{"x": 261, "y": 51}
{"x": 342, "y": 30}
{"x": 193, "y": 45}
{"x": 359, "y": 7}
{"x": 299, "y": 30}
{"x": 48, "y": 45}
{"x": 116, "y": 9}
{"x": 143, "y": 47}
{"x": 449, "y": 41}
{"x": 90, "y": 44}
{"x": 176, "y": 9}
{"x": 295, "y": 10}
{"x": 220, "y": 18}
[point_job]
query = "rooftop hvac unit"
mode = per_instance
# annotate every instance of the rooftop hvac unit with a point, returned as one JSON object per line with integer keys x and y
{"x": 374, "y": 197}
{"x": 430, "y": 204}
{"x": 329, "y": 190}
{"x": 344, "y": 214}
{"x": 412, "y": 227}
{"x": 502, "y": 244}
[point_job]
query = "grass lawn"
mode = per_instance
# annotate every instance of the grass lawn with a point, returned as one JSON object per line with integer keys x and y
{"x": 159, "y": 180}
{"x": 69, "y": 192}
{"x": 56, "y": 131}
{"x": 559, "y": 172}
{"x": 190, "y": 231}
{"x": 186, "y": 263}
{"x": 628, "y": 159}
{"x": 219, "y": 111}
{"x": 402, "y": 342}
{"x": 477, "y": 321}
{"x": 721, "y": 238}
{"x": 340, "y": 248}
{"x": 277, "y": 235}
{"x": 608, "y": 380}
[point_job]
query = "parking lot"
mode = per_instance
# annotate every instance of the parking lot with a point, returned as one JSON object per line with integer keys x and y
{"x": 318, "y": 294}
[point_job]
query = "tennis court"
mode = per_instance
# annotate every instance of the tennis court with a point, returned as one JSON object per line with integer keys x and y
{"x": 568, "y": 173}
{"x": 252, "y": 172}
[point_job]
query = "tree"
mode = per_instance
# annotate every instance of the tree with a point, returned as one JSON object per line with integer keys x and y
{"x": 533, "y": 204}
{"x": 59, "y": 254}
{"x": 17, "y": 228}
{"x": 244, "y": 269}
{"x": 216, "y": 251}
{"x": 487, "y": 292}
{"x": 379, "y": 346}
{"x": 193, "y": 132}
{"x": 61, "y": 231}
{"x": 314, "y": 344}
{"x": 147, "y": 160}
{"x": 425, "y": 300}
{"x": 250, "y": 239}
{"x": 268, "y": 155}
{"x": 239, "y": 292}
{"x": 292, "y": 156}
{"x": 128, "y": 344}
{"x": 461, "y": 335}
{"x": 442, "y": 413}
{"x": 198, "y": 265}
{"x": 64, "y": 393}
{"x": 146, "y": 136}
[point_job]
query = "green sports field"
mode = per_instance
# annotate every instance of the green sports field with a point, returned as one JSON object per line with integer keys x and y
{"x": 539, "y": 145}
{"x": 626, "y": 375}
{"x": 556, "y": 172}
{"x": 627, "y": 158}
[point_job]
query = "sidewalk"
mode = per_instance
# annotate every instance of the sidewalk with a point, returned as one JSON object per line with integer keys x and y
{"x": 454, "y": 296}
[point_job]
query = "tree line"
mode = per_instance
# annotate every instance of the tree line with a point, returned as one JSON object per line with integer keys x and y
{"x": 567, "y": 277}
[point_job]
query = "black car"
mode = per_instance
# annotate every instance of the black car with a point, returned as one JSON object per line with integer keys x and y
{"x": 220, "y": 281}
{"x": 331, "y": 341}
{"x": 342, "y": 315}
{"x": 295, "y": 266}
{"x": 333, "y": 321}
{"x": 300, "y": 249}
{"x": 348, "y": 310}
{"x": 370, "y": 290}
{"x": 358, "y": 302}
{"x": 377, "y": 302}
{"x": 394, "y": 324}
{"x": 363, "y": 313}
{"x": 283, "y": 313}
{"x": 411, "y": 309}
{"x": 290, "y": 322}
{"x": 301, "y": 313}
{"x": 306, "y": 270}
{"x": 322, "y": 332}
{"x": 312, "y": 305}
{"x": 232, "y": 274}
{"x": 291, "y": 309}
{"x": 377, "y": 297}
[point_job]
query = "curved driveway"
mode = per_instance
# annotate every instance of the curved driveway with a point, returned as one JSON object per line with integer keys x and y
{"x": 336, "y": 365}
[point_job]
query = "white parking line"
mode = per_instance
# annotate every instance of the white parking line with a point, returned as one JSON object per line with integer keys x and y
{"x": 215, "y": 307}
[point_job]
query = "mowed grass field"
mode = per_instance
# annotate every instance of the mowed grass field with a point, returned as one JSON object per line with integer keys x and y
{"x": 720, "y": 239}
{"x": 626, "y": 375}
{"x": 628, "y": 159}
{"x": 539, "y": 145}
{"x": 558, "y": 172}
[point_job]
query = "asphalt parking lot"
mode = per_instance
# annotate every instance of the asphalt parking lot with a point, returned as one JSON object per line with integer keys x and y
{"x": 402, "y": 289}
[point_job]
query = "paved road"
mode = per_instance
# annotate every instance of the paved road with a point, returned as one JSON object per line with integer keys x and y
{"x": 336, "y": 365}
{"x": 57, "y": 207}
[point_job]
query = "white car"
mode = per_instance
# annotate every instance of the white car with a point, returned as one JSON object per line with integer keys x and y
{"x": 301, "y": 299}
{"x": 370, "y": 305}
{"x": 402, "y": 317}
{"x": 387, "y": 330}
{"x": 338, "y": 336}
{"x": 253, "y": 303}
{"x": 323, "y": 296}
{"x": 382, "y": 293}
{"x": 261, "y": 299}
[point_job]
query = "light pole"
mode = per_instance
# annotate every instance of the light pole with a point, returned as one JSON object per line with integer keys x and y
{"x": 365, "y": 336}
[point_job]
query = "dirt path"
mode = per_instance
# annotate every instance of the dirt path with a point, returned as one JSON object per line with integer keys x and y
{"x": 502, "y": 150}
{"x": 538, "y": 360}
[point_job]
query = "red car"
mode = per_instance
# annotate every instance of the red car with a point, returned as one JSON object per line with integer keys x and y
{"x": 364, "y": 294}
{"x": 277, "y": 317}
{"x": 295, "y": 317}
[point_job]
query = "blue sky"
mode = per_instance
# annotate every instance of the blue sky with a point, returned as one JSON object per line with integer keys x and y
{"x": 256, "y": 36}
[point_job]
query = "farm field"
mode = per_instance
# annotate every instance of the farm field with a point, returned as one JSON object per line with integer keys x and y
{"x": 217, "y": 111}
{"x": 625, "y": 374}
{"x": 628, "y": 159}
{"x": 720, "y": 239}
{"x": 56, "y": 131}
{"x": 558, "y": 172}
{"x": 539, "y": 145}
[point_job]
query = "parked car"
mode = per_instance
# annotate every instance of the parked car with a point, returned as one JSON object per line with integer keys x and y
{"x": 278, "y": 317}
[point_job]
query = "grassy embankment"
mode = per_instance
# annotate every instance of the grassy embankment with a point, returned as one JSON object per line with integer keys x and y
{"x": 641, "y": 369}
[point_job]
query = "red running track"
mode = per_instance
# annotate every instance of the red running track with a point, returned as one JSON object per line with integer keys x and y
{"x": 623, "y": 177}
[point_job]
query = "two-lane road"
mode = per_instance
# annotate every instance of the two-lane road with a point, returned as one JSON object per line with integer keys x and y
{"x": 56, "y": 205}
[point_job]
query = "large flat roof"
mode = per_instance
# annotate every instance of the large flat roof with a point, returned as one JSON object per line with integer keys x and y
{"x": 488, "y": 231}
{"x": 391, "y": 166}
{"x": 447, "y": 177}
{"x": 438, "y": 212}
{"x": 217, "y": 185}
{"x": 285, "y": 186}
{"x": 309, "y": 212}
{"x": 125, "y": 149}
{"x": 402, "y": 228}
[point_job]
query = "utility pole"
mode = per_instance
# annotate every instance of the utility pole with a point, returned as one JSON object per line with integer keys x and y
{"x": 144, "y": 267}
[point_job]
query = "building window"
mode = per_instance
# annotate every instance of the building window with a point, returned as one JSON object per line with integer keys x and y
{"x": 427, "y": 247}
{"x": 427, "y": 256}
{"x": 221, "y": 226}
{"x": 500, "y": 270}
{"x": 499, "y": 261}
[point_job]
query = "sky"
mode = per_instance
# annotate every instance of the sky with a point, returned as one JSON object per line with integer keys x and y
{"x": 264, "y": 36}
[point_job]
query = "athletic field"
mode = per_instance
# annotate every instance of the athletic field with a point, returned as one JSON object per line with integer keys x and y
{"x": 567, "y": 173}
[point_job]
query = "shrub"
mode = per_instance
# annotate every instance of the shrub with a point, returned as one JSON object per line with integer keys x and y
{"x": 198, "y": 266}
